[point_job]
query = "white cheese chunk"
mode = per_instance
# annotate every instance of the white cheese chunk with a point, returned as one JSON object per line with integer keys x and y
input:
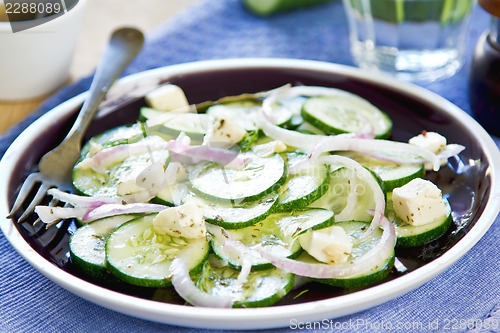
{"x": 330, "y": 245}
{"x": 430, "y": 141}
{"x": 268, "y": 149}
{"x": 418, "y": 202}
{"x": 174, "y": 173}
{"x": 127, "y": 183}
{"x": 152, "y": 177}
{"x": 226, "y": 133}
{"x": 181, "y": 221}
{"x": 168, "y": 97}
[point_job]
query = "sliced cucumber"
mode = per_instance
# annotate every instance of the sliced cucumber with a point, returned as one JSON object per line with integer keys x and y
{"x": 262, "y": 288}
{"x": 303, "y": 188}
{"x": 241, "y": 112}
{"x": 346, "y": 113}
{"x": 122, "y": 174}
{"x": 283, "y": 115}
{"x": 138, "y": 255}
{"x": 392, "y": 174}
{"x": 244, "y": 112}
{"x": 294, "y": 106}
{"x": 260, "y": 177}
{"x": 277, "y": 233}
{"x": 194, "y": 125}
{"x": 409, "y": 235}
{"x": 86, "y": 245}
{"x": 335, "y": 199}
{"x": 235, "y": 216}
{"x": 173, "y": 195}
{"x": 307, "y": 128}
{"x": 378, "y": 269}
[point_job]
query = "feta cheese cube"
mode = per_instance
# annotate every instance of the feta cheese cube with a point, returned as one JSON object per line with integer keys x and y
{"x": 185, "y": 220}
{"x": 430, "y": 141}
{"x": 226, "y": 133}
{"x": 418, "y": 202}
{"x": 175, "y": 172}
{"x": 127, "y": 183}
{"x": 167, "y": 98}
{"x": 152, "y": 177}
{"x": 330, "y": 245}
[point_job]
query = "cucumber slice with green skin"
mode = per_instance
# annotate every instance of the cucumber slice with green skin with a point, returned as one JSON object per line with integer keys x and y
{"x": 346, "y": 113}
{"x": 138, "y": 255}
{"x": 241, "y": 112}
{"x": 262, "y": 288}
{"x": 244, "y": 112}
{"x": 194, "y": 125}
{"x": 93, "y": 183}
{"x": 235, "y": 216}
{"x": 335, "y": 199}
{"x": 377, "y": 271}
{"x": 377, "y": 275}
{"x": 392, "y": 174}
{"x": 302, "y": 189}
{"x": 258, "y": 178}
{"x": 283, "y": 116}
{"x": 277, "y": 233}
{"x": 87, "y": 245}
{"x": 172, "y": 195}
{"x": 307, "y": 128}
{"x": 409, "y": 235}
{"x": 294, "y": 106}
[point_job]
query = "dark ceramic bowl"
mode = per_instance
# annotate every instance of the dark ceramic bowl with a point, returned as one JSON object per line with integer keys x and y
{"x": 470, "y": 182}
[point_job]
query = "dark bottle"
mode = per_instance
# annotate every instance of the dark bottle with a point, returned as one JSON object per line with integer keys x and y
{"x": 484, "y": 80}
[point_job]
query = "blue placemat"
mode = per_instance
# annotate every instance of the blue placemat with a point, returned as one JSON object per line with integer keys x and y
{"x": 467, "y": 292}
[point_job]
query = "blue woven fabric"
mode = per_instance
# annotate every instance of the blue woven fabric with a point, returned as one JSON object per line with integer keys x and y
{"x": 469, "y": 290}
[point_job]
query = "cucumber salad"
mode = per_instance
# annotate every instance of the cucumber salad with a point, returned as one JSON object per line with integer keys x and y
{"x": 231, "y": 203}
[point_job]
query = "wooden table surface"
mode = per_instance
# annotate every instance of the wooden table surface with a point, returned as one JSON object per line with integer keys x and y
{"x": 101, "y": 17}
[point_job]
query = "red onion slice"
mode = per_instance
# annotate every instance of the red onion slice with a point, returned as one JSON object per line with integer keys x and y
{"x": 92, "y": 202}
{"x": 383, "y": 249}
{"x": 186, "y": 288}
{"x": 352, "y": 202}
{"x": 179, "y": 148}
{"x": 364, "y": 174}
{"x": 194, "y": 154}
{"x": 80, "y": 200}
{"x": 105, "y": 158}
{"x": 88, "y": 209}
{"x": 50, "y": 215}
{"x": 233, "y": 248}
{"x": 117, "y": 209}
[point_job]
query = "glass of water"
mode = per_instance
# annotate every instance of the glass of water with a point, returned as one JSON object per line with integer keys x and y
{"x": 414, "y": 40}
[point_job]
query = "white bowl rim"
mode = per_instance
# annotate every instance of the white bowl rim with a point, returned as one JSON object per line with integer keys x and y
{"x": 255, "y": 318}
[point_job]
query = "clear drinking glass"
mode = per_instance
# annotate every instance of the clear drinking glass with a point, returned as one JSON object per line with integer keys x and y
{"x": 414, "y": 40}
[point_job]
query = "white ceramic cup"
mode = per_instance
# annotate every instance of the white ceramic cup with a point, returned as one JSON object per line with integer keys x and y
{"x": 36, "y": 61}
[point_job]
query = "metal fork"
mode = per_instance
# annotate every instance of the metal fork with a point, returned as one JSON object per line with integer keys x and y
{"x": 55, "y": 167}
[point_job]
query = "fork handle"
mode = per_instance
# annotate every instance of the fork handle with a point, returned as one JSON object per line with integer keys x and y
{"x": 124, "y": 45}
